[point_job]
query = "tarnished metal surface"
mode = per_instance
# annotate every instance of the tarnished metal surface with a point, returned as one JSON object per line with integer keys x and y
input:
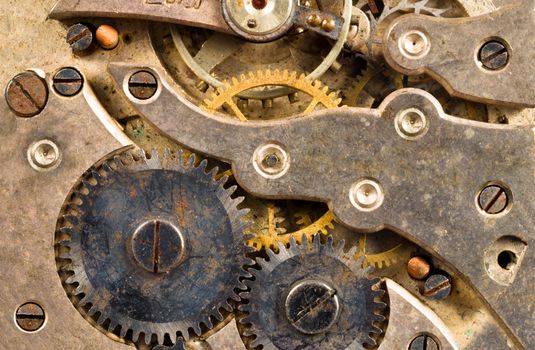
{"x": 453, "y": 56}
{"x": 198, "y": 13}
{"x": 459, "y": 191}
{"x": 419, "y": 174}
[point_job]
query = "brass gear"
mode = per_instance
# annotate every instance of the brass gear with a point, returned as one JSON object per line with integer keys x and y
{"x": 226, "y": 95}
{"x": 272, "y": 233}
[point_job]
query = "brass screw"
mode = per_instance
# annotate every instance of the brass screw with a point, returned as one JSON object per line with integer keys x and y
{"x": 314, "y": 20}
{"x": 328, "y": 24}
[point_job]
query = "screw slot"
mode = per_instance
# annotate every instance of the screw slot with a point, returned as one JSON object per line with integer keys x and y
{"x": 494, "y": 199}
{"x": 143, "y": 85}
{"x": 424, "y": 342}
{"x": 30, "y": 317}
{"x": 494, "y": 55}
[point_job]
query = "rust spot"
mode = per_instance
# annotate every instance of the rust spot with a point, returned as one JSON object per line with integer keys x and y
{"x": 133, "y": 193}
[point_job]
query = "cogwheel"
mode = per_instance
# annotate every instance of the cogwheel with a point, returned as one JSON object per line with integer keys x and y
{"x": 311, "y": 296}
{"x": 381, "y": 259}
{"x": 271, "y": 238}
{"x": 225, "y": 96}
{"x": 377, "y": 82}
{"x": 152, "y": 248}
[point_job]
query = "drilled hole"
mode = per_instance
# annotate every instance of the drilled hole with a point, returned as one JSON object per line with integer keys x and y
{"x": 507, "y": 260}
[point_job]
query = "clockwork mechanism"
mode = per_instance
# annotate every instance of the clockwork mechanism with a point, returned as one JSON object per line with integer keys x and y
{"x": 267, "y": 174}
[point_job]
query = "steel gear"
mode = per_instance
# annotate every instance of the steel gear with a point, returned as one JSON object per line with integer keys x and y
{"x": 154, "y": 247}
{"x": 225, "y": 96}
{"x": 311, "y": 296}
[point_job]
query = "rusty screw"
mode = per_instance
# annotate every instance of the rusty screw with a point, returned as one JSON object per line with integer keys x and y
{"x": 437, "y": 287}
{"x": 418, "y": 268}
{"x": 424, "y": 342}
{"x": 143, "y": 85}
{"x": 27, "y": 94}
{"x": 493, "y": 199}
{"x": 81, "y": 39}
{"x": 68, "y": 82}
{"x": 494, "y": 55}
{"x": 30, "y": 317}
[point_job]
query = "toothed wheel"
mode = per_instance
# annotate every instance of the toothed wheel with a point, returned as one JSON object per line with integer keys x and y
{"x": 226, "y": 95}
{"x": 154, "y": 246}
{"x": 311, "y": 296}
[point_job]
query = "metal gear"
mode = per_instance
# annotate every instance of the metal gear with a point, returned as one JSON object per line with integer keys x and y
{"x": 375, "y": 83}
{"x": 225, "y": 96}
{"x": 152, "y": 248}
{"x": 311, "y": 296}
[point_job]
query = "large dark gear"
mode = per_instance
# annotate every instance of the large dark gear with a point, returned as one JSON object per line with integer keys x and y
{"x": 311, "y": 296}
{"x": 156, "y": 247}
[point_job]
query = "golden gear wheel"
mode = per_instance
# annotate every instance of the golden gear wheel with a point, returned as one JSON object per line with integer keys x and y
{"x": 380, "y": 260}
{"x": 226, "y": 95}
{"x": 272, "y": 233}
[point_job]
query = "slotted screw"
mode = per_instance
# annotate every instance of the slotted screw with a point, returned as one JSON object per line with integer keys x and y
{"x": 494, "y": 55}
{"x": 493, "y": 199}
{"x": 424, "y": 342}
{"x": 312, "y": 307}
{"x": 143, "y": 85}
{"x": 30, "y": 317}
{"x": 80, "y": 38}
{"x": 68, "y": 82}
{"x": 27, "y": 94}
{"x": 437, "y": 287}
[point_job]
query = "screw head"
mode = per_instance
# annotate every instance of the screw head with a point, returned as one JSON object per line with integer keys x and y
{"x": 143, "y": 85}
{"x": 314, "y": 20}
{"x": 493, "y": 199}
{"x": 366, "y": 195}
{"x": 68, "y": 82}
{"x": 437, "y": 287}
{"x": 328, "y": 24}
{"x": 271, "y": 161}
{"x": 418, "y": 267}
{"x": 494, "y": 55}
{"x": 312, "y": 306}
{"x": 27, "y": 94}
{"x": 414, "y": 44}
{"x": 80, "y": 38}
{"x": 44, "y": 155}
{"x": 252, "y": 23}
{"x": 157, "y": 246}
{"x": 30, "y": 317}
{"x": 424, "y": 342}
{"x": 411, "y": 124}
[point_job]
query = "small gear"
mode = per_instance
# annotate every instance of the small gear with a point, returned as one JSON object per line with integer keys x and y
{"x": 375, "y": 83}
{"x": 311, "y": 296}
{"x": 152, "y": 248}
{"x": 226, "y": 95}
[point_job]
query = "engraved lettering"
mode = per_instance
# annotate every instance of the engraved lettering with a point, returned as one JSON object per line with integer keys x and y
{"x": 186, "y": 3}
